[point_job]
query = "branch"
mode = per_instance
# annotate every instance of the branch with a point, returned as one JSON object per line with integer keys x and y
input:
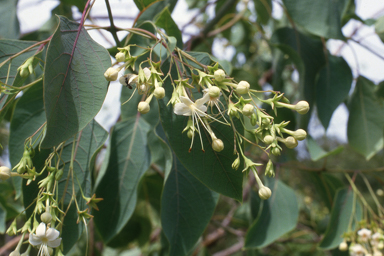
{"x": 112, "y": 28}
{"x": 229, "y": 251}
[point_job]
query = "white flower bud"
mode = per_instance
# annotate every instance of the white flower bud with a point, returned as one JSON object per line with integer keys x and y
{"x": 268, "y": 139}
{"x": 236, "y": 163}
{"x": 265, "y": 193}
{"x": 5, "y": 173}
{"x": 214, "y": 92}
{"x": 243, "y": 87}
{"x": 302, "y": 107}
{"x": 143, "y": 107}
{"x": 24, "y": 72}
{"x": 111, "y": 74}
{"x": 217, "y": 145}
{"x": 159, "y": 93}
{"x": 190, "y": 134}
{"x": 46, "y": 217}
{"x": 120, "y": 57}
{"x": 219, "y": 75}
{"x": 299, "y": 134}
{"x": 290, "y": 142}
{"x": 147, "y": 73}
{"x": 380, "y": 192}
{"x": 248, "y": 109}
{"x": 343, "y": 246}
{"x": 275, "y": 151}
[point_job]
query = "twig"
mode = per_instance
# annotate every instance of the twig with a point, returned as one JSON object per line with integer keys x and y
{"x": 229, "y": 251}
{"x": 11, "y": 244}
{"x": 112, "y": 28}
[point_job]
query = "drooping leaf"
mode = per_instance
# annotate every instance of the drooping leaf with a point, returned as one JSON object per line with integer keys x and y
{"x": 165, "y": 21}
{"x": 319, "y": 17}
{"x": 278, "y": 216}
{"x": 341, "y": 215}
{"x": 186, "y": 208}
{"x": 332, "y": 87}
{"x": 8, "y": 18}
{"x": 28, "y": 117}
{"x": 211, "y": 168}
{"x": 366, "y": 119}
{"x": 263, "y": 10}
{"x": 317, "y": 153}
{"x": 128, "y": 159}
{"x": 74, "y": 84}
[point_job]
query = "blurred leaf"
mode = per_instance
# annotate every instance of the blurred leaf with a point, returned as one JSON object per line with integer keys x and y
{"x": 165, "y": 21}
{"x": 128, "y": 160}
{"x": 186, "y": 208}
{"x": 212, "y": 168}
{"x": 263, "y": 10}
{"x": 159, "y": 4}
{"x": 317, "y": 153}
{"x": 74, "y": 84}
{"x": 255, "y": 204}
{"x": 3, "y": 215}
{"x": 322, "y": 18}
{"x": 345, "y": 209}
{"x": 379, "y": 27}
{"x": 161, "y": 154}
{"x": 366, "y": 119}
{"x": 150, "y": 190}
{"x": 8, "y": 18}
{"x": 278, "y": 216}
{"x": 78, "y": 3}
{"x": 332, "y": 87}
{"x": 29, "y": 115}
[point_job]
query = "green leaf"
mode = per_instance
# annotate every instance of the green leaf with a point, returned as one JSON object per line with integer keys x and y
{"x": 150, "y": 190}
{"x": 345, "y": 210}
{"x": 308, "y": 56}
{"x": 144, "y": 4}
{"x": 366, "y": 119}
{"x": 278, "y": 216}
{"x": 211, "y": 168}
{"x": 74, "y": 84}
{"x": 332, "y": 87}
{"x": 28, "y": 117}
{"x": 3, "y": 215}
{"x": 319, "y": 17}
{"x": 10, "y": 23}
{"x": 118, "y": 183}
{"x": 165, "y": 21}
{"x": 161, "y": 154}
{"x": 172, "y": 42}
{"x": 317, "y": 153}
{"x": 186, "y": 208}
{"x": 379, "y": 27}
{"x": 263, "y": 10}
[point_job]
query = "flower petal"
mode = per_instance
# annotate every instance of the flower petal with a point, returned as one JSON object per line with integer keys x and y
{"x": 40, "y": 231}
{"x": 34, "y": 240}
{"x": 186, "y": 101}
{"x": 52, "y": 234}
{"x": 182, "y": 109}
{"x": 202, "y": 100}
{"x": 147, "y": 73}
{"x": 55, "y": 243}
{"x": 201, "y": 110}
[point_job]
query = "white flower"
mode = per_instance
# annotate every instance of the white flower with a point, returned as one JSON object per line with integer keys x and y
{"x": 357, "y": 250}
{"x": 188, "y": 108}
{"x": 364, "y": 234}
{"x": 45, "y": 237}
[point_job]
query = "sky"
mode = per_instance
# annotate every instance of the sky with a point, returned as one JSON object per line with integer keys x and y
{"x": 33, "y": 13}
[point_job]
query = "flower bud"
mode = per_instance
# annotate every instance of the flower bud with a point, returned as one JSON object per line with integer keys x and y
{"x": 269, "y": 170}
{"x": 236, "y": 163}
{"x": 5, "y": 173}
{"x": 248, "y": 109}
{"x": 143, "y": 107}
{"x": 219, "y": 75}
{"x": 268, "y": 139}
{"x": 343, "y": 246}
{"x": 299, "y": 134}
{"x": 24, "y": 72}
{"x": 265, "y": 193}
{"x": 111, "y": 74}
{"x": 12, "y": 230}
{"x": 217, "y": 145}
{"x": 59, "y": 174}
{"x": 380, "y": 245}
{"x": 243, "y": 87}
{"x": 46, "y": 217}
{"x": 120, "y": 57}
{"x": 214, "y": 92}
{"x": 302, "y": 107}
{"x": 253, "y": 119}
{"x": 275, "y": 151}
{"x": 159, "y": 93}
{"x": 190, "y": 134}
{"x": 290, "y": 142}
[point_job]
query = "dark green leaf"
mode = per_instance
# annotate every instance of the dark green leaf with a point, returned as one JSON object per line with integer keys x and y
{"x": 3, "y": 215}
{"x": 8, "y": 18}
{"x": 74, "y": 84}
{"x": 317, "y": 153}
{"x": 186, "y": 208}
{"x": 211, "y": 168}
{"x": 366, "y": 119}
{"x": 78, "y": 3}
{"x": 263, "y": 10}
{"x": 129, "y": 158}
{"x": 278, "y": 216}
{"x": 332, "y": 88}
{"x": 319, "y": 17}
{"x": 28, "y": 117}
{"x": 150, "y": 191}
{"x": 165, "y": 21}
{"x": 160, "y": 4}
{"x": 345, "y": 210}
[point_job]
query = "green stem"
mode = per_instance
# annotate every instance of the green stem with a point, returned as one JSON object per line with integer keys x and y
{"x": 112, "y": 28}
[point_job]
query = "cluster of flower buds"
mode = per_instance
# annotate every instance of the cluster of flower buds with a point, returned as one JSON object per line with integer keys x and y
{"x": 365, "y": 243}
